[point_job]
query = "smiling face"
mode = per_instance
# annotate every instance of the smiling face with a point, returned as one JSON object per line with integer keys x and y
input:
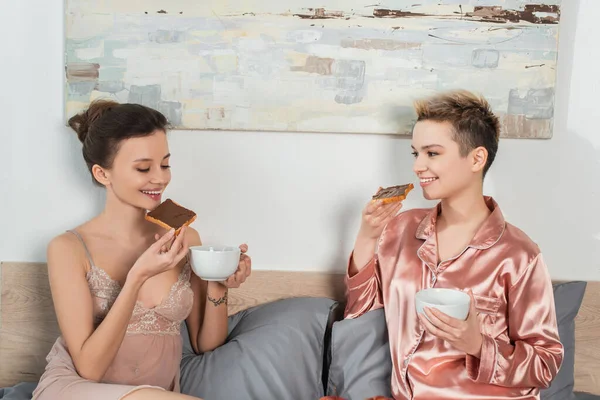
{"x": 140, "y": 171}
{"x": 443, "y": 172}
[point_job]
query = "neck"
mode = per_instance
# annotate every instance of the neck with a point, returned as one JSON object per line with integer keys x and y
{"x": 467, "y": 208}
{"x": 122, "y": 220}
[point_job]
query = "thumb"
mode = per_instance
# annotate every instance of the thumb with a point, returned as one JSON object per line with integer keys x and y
{"x": 473, "y": 309}
{"x": 165, "y": 238}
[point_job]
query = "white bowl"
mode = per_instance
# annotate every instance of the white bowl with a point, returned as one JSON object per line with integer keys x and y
{"x": 449, "y": 301}
{"x": 214, "y": 263}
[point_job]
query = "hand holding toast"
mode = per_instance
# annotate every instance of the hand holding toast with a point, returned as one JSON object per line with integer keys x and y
{"x": 384, "y": 206}
{"x": 161, "y": 257}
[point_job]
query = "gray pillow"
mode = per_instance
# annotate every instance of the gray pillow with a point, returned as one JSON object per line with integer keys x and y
{"x": 273, "y": 352}
{"x": 567, "y": 300}
{"x": 365, "y": 338}
{"x": 22, "y": 391}
{"x": 586, "y": 396}
{"x": 360, "y": 364}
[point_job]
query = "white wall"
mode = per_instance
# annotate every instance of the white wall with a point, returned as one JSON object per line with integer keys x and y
{"x": 295, "y": 198}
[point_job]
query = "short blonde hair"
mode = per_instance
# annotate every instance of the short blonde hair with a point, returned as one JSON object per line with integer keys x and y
{"x": 471, "y": 117}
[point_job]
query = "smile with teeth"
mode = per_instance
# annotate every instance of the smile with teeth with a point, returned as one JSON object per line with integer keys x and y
{"x": 152, "y": 192}
{"x": 426, "y": 180}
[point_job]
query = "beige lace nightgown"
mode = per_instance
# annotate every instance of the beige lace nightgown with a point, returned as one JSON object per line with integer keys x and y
{"x": 149, "y": 355}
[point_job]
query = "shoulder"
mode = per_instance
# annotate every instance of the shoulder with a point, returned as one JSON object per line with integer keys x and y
{"x": 69, "y": 242}
{"x": 66, "y": 241}
{"x": 521, "y": 257}
{"x": 193, "y": 237}
{"x": 519, "y": 243}
{"x": 65, "y": 251}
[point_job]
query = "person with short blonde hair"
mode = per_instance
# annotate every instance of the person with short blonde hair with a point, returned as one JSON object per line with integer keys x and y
{"x": 508, "y": 346}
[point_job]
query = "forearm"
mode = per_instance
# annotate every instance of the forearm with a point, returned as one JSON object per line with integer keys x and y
{"x": 364, "y": 250}
{"x": 534, "y": 353}
{"x": 99, "y": 350}
{"x": 214, "y": 328}
{"x": 363, "y": 291}
{"x": 537, "y": 365}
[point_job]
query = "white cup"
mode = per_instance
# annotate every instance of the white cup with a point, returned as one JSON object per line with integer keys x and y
{"x": 451, "y": 302}
{"x": 214, "y": 263}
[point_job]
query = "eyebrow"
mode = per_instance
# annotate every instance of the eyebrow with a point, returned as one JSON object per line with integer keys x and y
{"x": 428, "y": 146}
{"x": 149, "y": 159}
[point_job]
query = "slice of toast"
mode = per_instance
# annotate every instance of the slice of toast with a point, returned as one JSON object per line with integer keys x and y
{"x": 171, "y": 215}
{"x": 393, "y": 193}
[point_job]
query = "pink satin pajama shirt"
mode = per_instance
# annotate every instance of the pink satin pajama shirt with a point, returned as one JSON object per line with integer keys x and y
{"x": 521, "y": 351}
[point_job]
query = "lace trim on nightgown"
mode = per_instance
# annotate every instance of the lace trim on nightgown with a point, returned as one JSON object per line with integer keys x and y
{"x": 164, "y": 319}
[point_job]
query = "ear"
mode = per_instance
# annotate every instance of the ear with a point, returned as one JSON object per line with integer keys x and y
{"x": 479, "y": 158}
{"x": 101, "y": 175}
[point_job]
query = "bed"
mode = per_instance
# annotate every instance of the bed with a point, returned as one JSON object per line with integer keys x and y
{"x": 28, "y": 325}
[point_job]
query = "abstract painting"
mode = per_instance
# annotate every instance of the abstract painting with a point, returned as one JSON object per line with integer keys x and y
{"x": 337, "y": 66}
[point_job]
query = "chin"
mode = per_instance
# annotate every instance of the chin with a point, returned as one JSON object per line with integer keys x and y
{"x": 430, "y": 195}
{"x": 145, "y": 203}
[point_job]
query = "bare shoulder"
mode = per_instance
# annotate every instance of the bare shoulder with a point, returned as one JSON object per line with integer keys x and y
{"x": 65, "y": 251}
{"x": 193, "y": 237}
{"x": 63, "y": 242}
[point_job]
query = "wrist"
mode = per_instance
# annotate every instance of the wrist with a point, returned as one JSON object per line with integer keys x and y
{"x": 217, "y": 294}
{"x": 364, "y": 236}
{"x": 135, "y": 278}
{"x": 216, "y": 288}
{"x": 365, "y": 244}
{"x": 476, "y": 352}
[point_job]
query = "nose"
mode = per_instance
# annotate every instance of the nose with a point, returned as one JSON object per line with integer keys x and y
{"x": 160, "y": 176}
{"x": 419, "y": 166}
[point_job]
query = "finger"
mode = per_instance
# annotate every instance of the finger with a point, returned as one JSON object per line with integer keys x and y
{"x": 177, "y": 243}
{"x": 240, "y": 271}
{"x": 244, "y": 258}
{"x": 372, "y": 207}
{"x": 392, "y": 210}
{"x": 230, "y": 282}
{"x": 183, "y": 251}
{"x": 164, "y": 239}
{"x": 248, "y": 263}
{"x": 240, "y": 276}
{"x": 246, "y": 269}
{"x": 385, "y": 216}
{"x": 429, "y": 327}
{"x": 243, "y": 248}
{"x": 383, "y": 209}
{"x": 156, "y": 236}
{"x": 165, "y": 248}
{"x": 397, "y": 208}
{"x": 446, "y": 319}
{"x": 440, "y": 325}
{"x": 185, "y": 246}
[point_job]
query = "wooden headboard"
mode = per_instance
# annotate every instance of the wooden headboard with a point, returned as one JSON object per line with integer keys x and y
{"x": 28, "y": 325}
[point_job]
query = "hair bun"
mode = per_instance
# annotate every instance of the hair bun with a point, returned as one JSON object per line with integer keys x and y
{"x": 82, "y": 122}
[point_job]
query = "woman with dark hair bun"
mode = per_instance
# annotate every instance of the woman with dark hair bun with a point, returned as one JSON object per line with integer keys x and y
{"x": 122, "y": 285}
